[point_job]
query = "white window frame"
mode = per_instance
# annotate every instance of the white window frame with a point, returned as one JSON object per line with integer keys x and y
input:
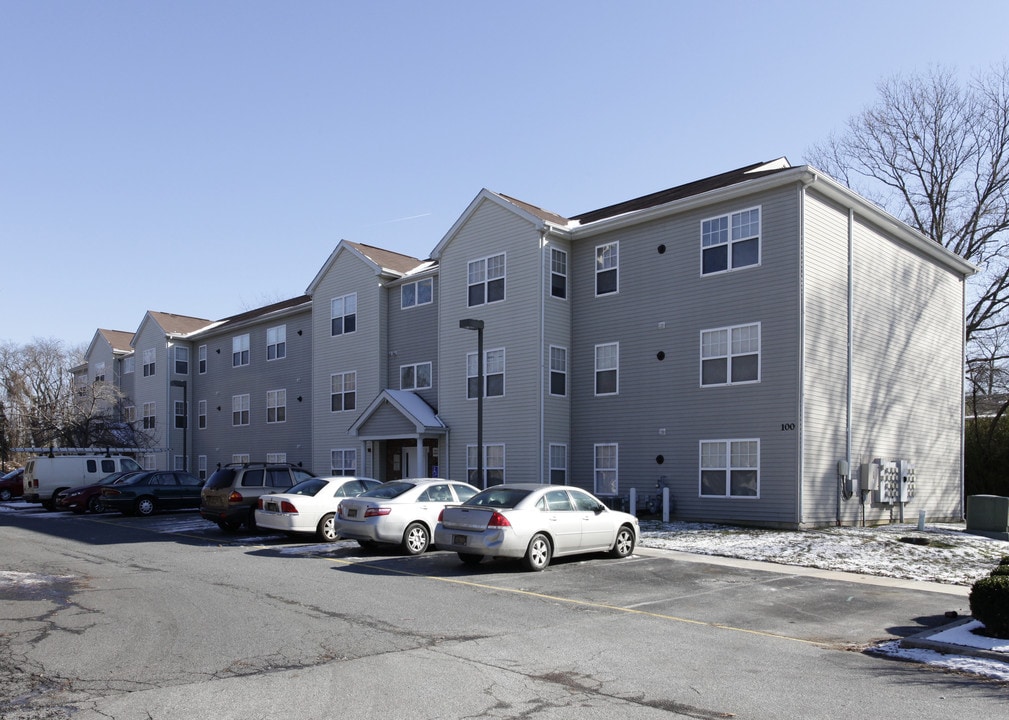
{"x": 729, "y": 231}
{"x": 241, "y": 355}
{"x": 493, "y": 366}
{"x": 558, "y": 462}
{"x": 606, "y": 469}
{"x": 608, "y": 260}
{"x": 420, "y": 292}
{"x": 276, "y": 406}
{"x": 345, "y": 391}
{"x": 558, "y": 273}
{"x": 276, "y": 458}
{"x": 150, "y": 415}
{"x": 241, "y": 410}
{"x": 613, "y": 367}
{"x": 415, "y": 368}
{"x": 343, "y": 461}
{"x": 493, "y": 465}
{"x": 100, "y": 372}
{"x": 728, "y": 457}
{"x": 240, "y": 457}
{"x": 183, "y": 361}
{"x": 129, "y": 364}
{"x": 201, "y": 415}
{"x": 486, "y": 272}
{"x": 130, "y": 413}
{"x": 276, "y": 343}
{"x": 558, "y": 368}
{"x": 726, "y": 344}
{"x": 201, "y": 353}
{"x": 181, "y": 421}
{"x": 201, "y": 467}
{"x": 150, "y": 362}
{"x": 344, "y": 310}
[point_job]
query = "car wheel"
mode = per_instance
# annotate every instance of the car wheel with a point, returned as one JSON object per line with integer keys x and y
{"x": 624, "y": 544}
{"x": 538, "y": 553}
{"x": 229, "y": 526}
{"x": 416, "y": 539}
{"x": 470, "y": 559}
{"x": 95, "y": 504}
{"x": 327, "y": 528}
{"x": 5, "y": 495}
{"x": 145, "y": 506}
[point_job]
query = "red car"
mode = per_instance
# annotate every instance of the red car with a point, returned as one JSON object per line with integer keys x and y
{"x": 89, "y": 497}
{"x": 11, "y": 485}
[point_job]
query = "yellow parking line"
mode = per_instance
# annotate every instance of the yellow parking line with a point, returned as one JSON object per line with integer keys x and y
{"x": 586, "y": 603}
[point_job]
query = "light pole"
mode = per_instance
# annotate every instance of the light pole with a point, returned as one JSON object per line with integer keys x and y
{"x": 471, "y": 324}
{"x": 185, "y": 416}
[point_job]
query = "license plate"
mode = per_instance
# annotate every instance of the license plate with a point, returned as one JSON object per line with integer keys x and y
{"x": 352, "y": 512}
{"x": 272, "y": 507}
{"x": 458, "y": 539}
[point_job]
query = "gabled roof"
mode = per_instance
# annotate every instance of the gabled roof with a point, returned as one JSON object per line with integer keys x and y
{"x": 748, "y": 172}
{"x": 410, "y": 405}
{"x": 383, "y": 262}
{"x": 120, "y": 341}
{"x": 171, "y": 324}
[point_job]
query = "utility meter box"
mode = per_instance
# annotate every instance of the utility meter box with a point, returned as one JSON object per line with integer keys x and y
{"x": 888, "y": 490}
{"x": 905, "y": 472}
{"x": 868, "y": 478}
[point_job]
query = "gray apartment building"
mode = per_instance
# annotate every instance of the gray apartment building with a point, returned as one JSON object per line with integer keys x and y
{"x": 762, "y": 346}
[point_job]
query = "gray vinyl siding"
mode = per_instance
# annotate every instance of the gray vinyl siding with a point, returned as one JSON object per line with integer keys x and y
{"x": 557, "y": 315}
{"x": 663, "y": 304}
{"x": 906, "y": 371}
{"x": 364, "y": 351}
{"x": 413, "y": 339}
{"x": 513, "y": 324}
{"x": 153, "y": 388}
{"x": 221, "y": 440}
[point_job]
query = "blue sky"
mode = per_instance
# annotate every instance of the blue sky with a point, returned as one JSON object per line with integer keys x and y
{"x": 204, "y": 158}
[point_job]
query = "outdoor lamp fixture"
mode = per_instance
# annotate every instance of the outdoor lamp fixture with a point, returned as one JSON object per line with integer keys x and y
{"x": 471, "y": 324}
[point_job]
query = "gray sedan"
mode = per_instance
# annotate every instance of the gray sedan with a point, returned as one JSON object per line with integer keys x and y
{"x": 536, "y": 523}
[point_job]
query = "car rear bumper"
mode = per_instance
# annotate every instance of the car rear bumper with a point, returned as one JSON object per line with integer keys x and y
{"x": 490, "y": 544}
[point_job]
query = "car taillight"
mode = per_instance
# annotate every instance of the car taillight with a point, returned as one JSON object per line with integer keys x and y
{"x": 287, "y": 507}
{"x": 259, "y": 504}
{"x": 498, "y": 520}
{"x": 373, "y": 511}
{"x": 441, "y": 515}
{"x": 235, "y": 496}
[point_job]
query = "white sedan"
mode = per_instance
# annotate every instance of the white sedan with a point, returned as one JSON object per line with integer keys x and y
{"x": 536, "y": 523}
{"x": 400, "y": 512}
{"x": 309, "y": 506}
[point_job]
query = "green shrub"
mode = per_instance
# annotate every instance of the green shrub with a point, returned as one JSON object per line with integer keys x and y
{"x": 1000, "y": 570}
{"x": 989, "y": 604}
{"x": 1004, "y": 562}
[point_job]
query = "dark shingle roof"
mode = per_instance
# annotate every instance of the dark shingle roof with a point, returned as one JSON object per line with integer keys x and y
{"x": 749, "y": 172}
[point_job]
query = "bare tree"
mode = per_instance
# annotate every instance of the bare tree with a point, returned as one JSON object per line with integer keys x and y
{"x": 37, "y": 389}
{"x": 934, "y": 152}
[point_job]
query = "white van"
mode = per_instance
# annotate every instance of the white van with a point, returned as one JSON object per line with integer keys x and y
{"x": 46, "y": 477}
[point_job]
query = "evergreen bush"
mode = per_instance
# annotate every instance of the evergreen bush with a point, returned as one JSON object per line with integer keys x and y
{"x": 989, "y": 604}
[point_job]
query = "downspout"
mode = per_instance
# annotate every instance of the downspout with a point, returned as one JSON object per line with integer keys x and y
{"x": 963, "y": 390}
{"x": 843, "y": 493}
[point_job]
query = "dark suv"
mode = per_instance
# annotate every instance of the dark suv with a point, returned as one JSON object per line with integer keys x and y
{"x": 230, "y": 495}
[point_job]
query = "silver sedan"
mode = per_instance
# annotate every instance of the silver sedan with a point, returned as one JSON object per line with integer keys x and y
{"x": 536, "y": 523}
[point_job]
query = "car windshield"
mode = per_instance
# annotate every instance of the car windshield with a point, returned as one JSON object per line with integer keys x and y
{"x": 499, "y": 497}
{"x": 308, "y": 487}
{"x": 389, "y": 490}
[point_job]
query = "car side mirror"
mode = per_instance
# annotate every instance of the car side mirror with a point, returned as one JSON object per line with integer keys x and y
{"x": 599, "y": 509}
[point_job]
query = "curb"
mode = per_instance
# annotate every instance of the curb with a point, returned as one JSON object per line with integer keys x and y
{"x": 923, "y": 641}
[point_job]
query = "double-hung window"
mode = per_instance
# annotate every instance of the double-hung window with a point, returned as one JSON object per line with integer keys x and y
{"x": 486, "y": 280}
{"x": 420, "y": 292}
{"x": 240, "y": 407}
{"x": 343, "y": 462}
{"x": 558, "y": 273}
{"x": 201, "y": 353}
{"x": 493, "y": 373}
{"x": 730, "y": 242}
{"x": 607, "y": 367}
{"x": 276, "y": 342}
{"x": 150, "y": 415}
{"x": 493, "y": 465}
{"x": 729, "y": 468}
{"x": 607, "y": 267}
{"x": 558, "y": 464}
{"x": 201, "y": 414}
{"x": 605, "y": 469}
{"x": 181, "y": 360}
{"x": 276, "y": 406}
{"x": 730, "y": 355}
{"x": 343, "y": 314}
{"x": 180, "y": 414}
{"x": 343, "y": 391}
{"x": 240, "y": 350}
{"x": 558, "y": 370}
{"x": 150, "y": 355}
{"x": 415, "y": 377}
{"x": 129, "y": 364}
